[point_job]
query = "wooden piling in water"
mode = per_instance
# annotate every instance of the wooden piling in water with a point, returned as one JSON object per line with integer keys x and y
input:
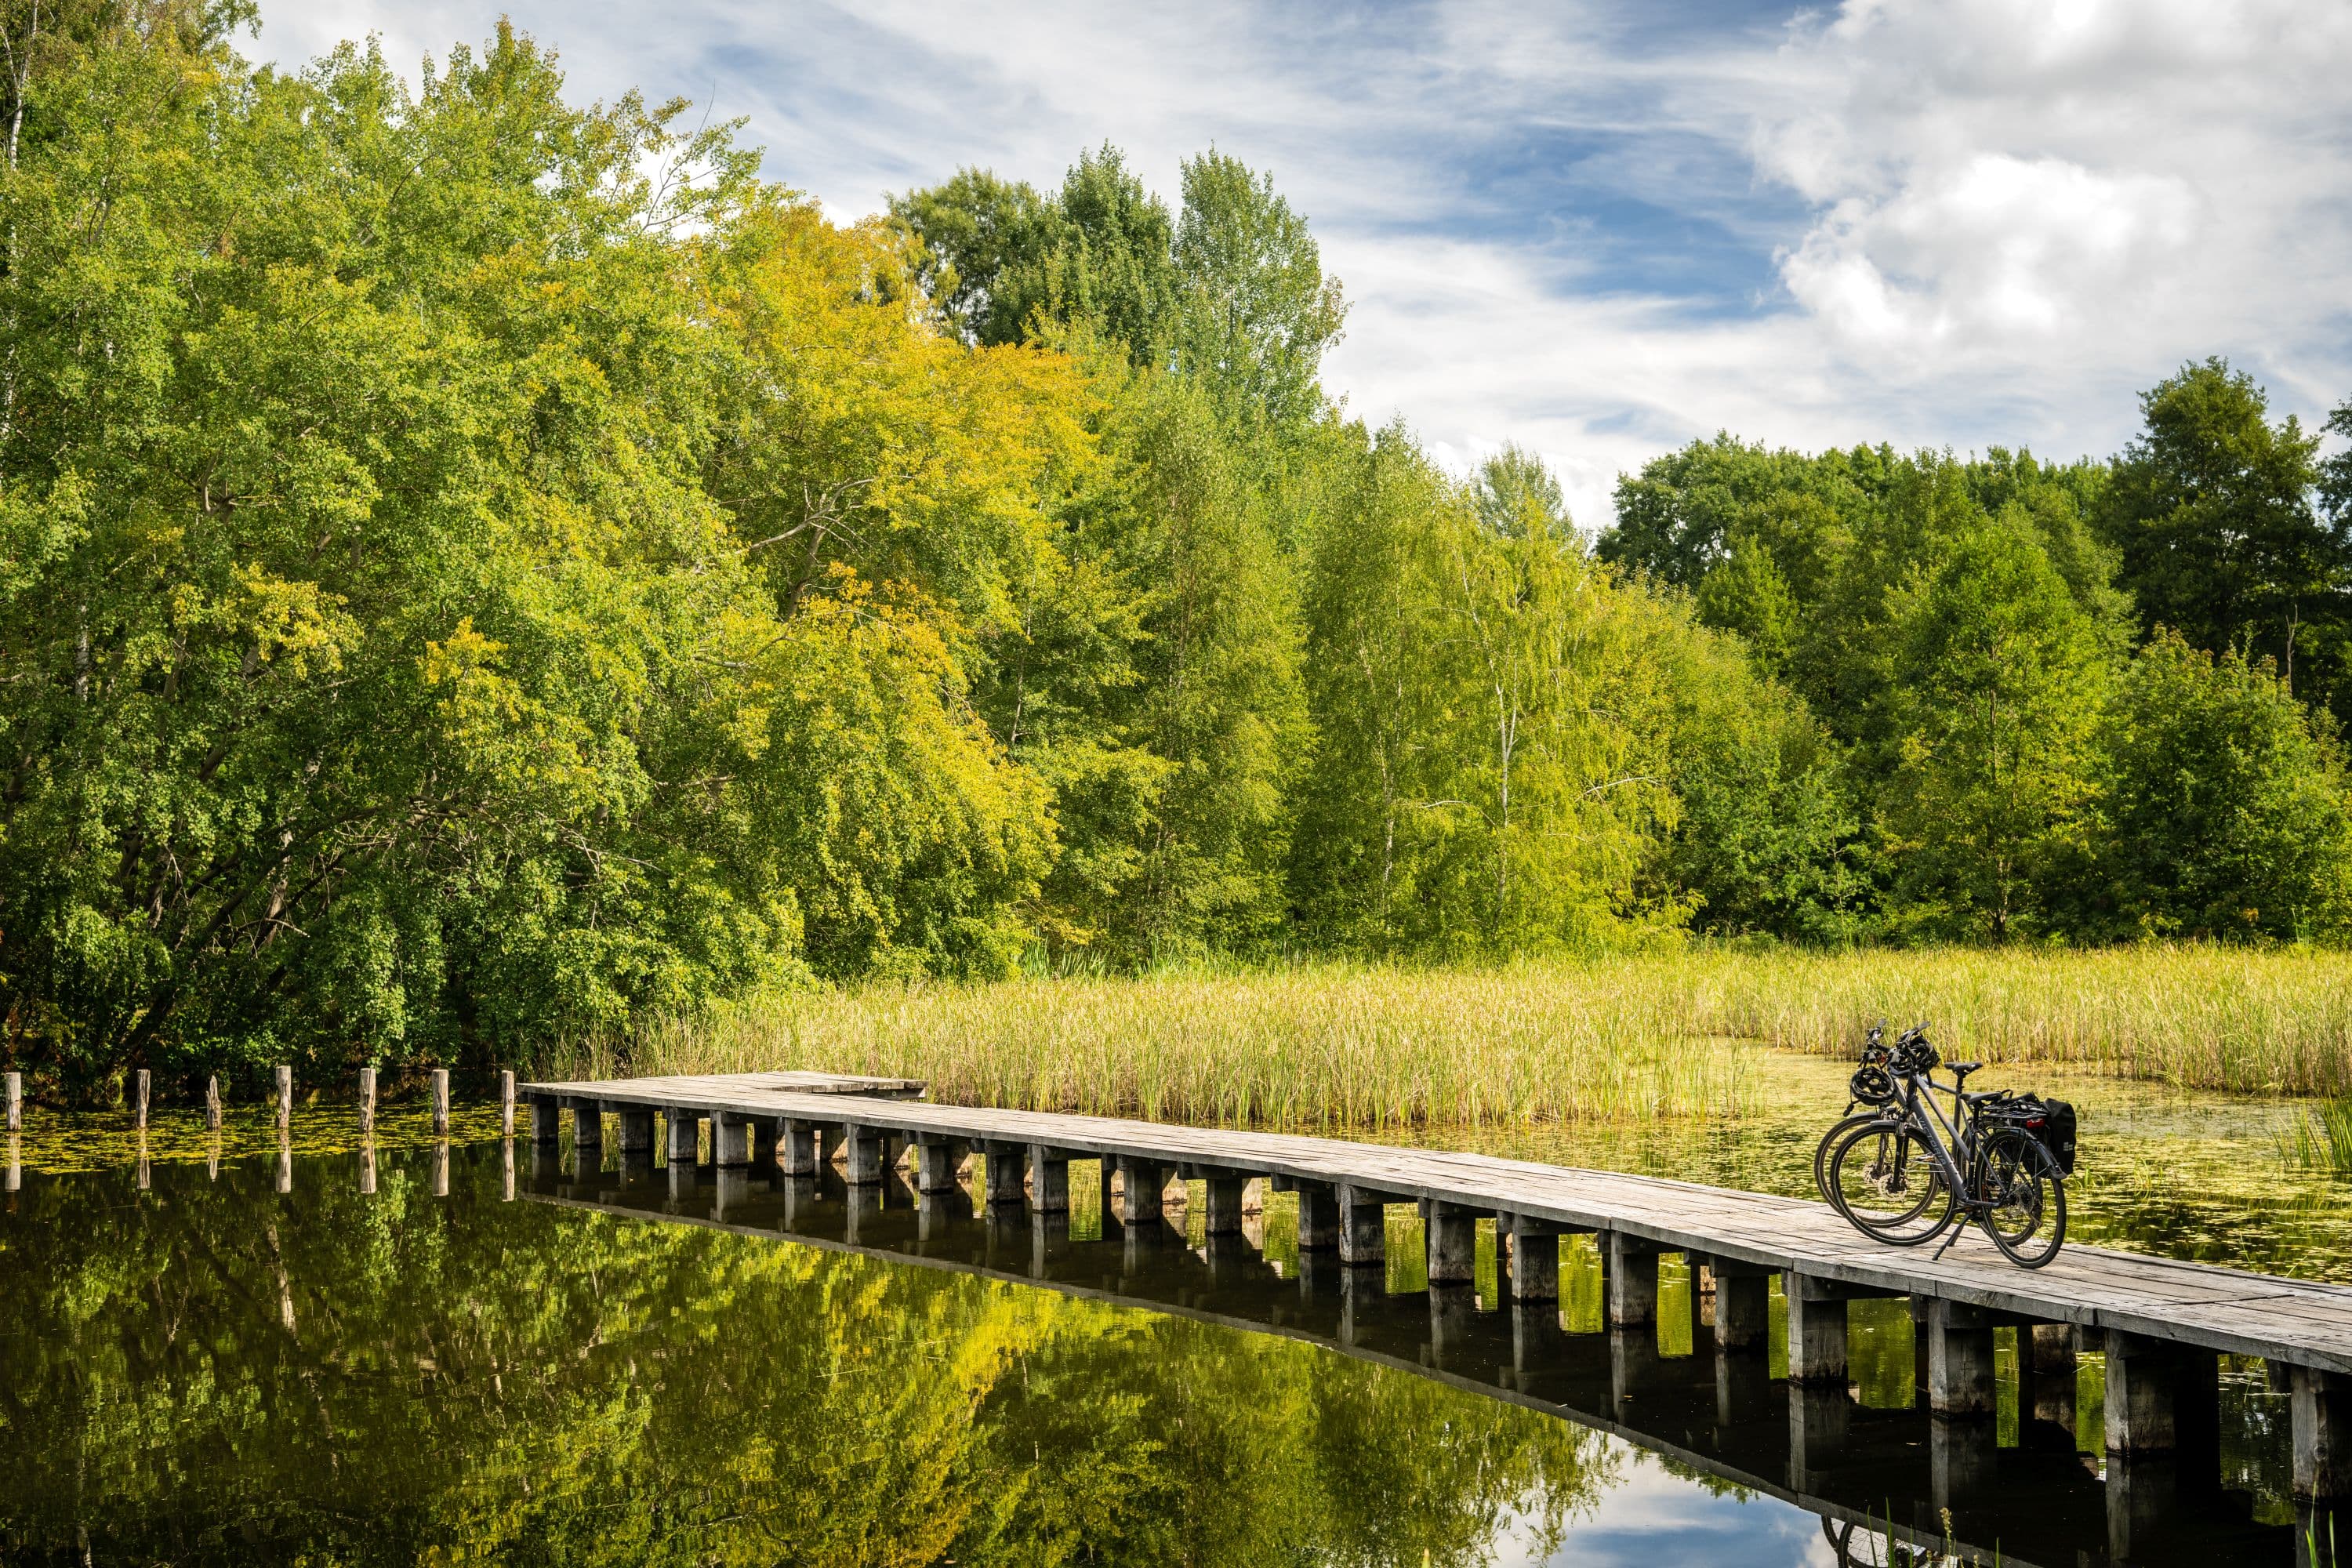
{"x": 1816, "y": 1329}
{"x": 731, "y": 1140}
{"x": 587, "y": 1127}
{"x": 1743, "y": 1306}
{"x": 1535, "y": 1259}
{"x": 367, "y": 1102}
{"x": 1363, "y": 1227}
{"x": 936, "y": 1160}
{"x": 141, "y": 1084}
{"x": 1049, "y": 1181}
{"x": 1632, "y": 1280}
{"x": 684, "y": 1137}
{"x": 1453, "y": 1243}
{"x": 284, "y": 1074}
{"x": 1318, "y": 1217}
{"x": 506, "y": 1102}
{"x": 637, "y": 1133}
{"x": 1959, "y": 1360}
{"x": 2321, "y": 1410}
{"x": 546, "y": 1123}
{"x": 212, "y": 1103}
{"x": 441, "y": 1103}
{"x": 796, "y": 1151}
{"x": 16, "y": 1102}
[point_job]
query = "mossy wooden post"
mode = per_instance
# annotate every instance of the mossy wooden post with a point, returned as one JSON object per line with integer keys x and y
{"x": 16, "y": 1102}
{"x": 587, "y": 1125}
{"x": 441, "y": 1103}
{"x": 796, "y": 1151}
{"x": 1632, "y": 1283}
{"x": 506, "y": 1102}
{"x": 285, "y": 1092}
{"x": 863, "y": 1148}
{"x": 1363, "y": 1227}
{"x": 546, "y": 1124}
{"x": 1318, "y": 1217}
{"x": 141, "y": 1087}
{"x": 367, "y": 1103}
{"x": 213, "y": 1102}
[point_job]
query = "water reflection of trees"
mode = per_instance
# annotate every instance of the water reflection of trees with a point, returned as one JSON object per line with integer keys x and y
{"x": 218, "y": 1373}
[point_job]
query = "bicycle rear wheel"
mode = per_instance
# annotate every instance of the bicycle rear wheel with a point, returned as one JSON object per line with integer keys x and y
{"x": 2025, "y": 1199}
{"x": 1883, "y": 1178}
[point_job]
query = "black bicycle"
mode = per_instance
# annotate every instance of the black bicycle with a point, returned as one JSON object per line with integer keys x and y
{"x": 1906, "y": 1173}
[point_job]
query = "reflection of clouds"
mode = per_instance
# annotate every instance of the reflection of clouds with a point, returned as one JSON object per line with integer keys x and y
{"x": 1647, "y": 1515}
{"x": 1598, "y": 235}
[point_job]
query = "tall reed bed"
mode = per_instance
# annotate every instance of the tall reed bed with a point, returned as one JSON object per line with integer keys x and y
{"x": 1619, "y": 1038}
{"x": 1313, "y": 1049}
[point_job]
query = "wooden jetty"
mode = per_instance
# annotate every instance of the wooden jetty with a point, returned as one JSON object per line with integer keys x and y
{"x": 2160, "y": 1321}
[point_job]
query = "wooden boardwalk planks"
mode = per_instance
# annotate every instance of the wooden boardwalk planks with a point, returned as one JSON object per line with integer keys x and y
{"x": 2298, "y": 1322}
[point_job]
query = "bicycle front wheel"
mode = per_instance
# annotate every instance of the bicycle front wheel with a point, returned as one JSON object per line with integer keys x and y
{"x": 2024, "y": 1197}
{"x": 1883, "y": 1178}
{"x": 1830, "y": 1141}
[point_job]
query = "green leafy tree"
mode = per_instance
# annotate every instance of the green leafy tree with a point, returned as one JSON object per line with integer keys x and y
{"x": 2211, "y": 512}
{"x": 2222, "y": 805}
{"x": 1996, "y": 687}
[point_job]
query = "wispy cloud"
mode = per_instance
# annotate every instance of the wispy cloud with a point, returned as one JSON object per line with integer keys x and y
{"x": 1600, "y": 230}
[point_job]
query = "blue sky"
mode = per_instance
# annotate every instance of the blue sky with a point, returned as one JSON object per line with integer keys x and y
{"x": 1600, "y": 230}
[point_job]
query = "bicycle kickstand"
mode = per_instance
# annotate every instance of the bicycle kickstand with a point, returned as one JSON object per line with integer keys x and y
{"x": 1948, "y": 1242}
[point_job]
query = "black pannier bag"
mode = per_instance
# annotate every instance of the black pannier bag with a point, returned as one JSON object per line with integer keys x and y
{"x": 2049, "y": 1122}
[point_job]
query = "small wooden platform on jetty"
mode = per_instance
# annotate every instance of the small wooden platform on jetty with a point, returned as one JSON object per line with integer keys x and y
{"x": 2160, "y": 1321}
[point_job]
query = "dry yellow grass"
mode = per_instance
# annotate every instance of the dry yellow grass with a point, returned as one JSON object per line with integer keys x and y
{"x": 1619, "y": 1038}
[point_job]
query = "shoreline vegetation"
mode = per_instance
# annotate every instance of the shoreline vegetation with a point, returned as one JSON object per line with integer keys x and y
{"x": 1612, "y": 1039}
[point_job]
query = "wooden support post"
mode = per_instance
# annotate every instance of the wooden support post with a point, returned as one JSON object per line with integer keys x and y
{"x": 284, "y": 1089}
{"x": 863, "y": 1166}
{"x": 766, "y": 1138}
{"x": 1535, "y": 1259}
{"x": 1104, "y": 1167}
{"x": 796, "y": 1151}
{"x": 2052, "y": 1346}
{"x": 1363, "y": 1227}
{"x": 1318, "y": 1217}
{"x": 685, "y": 1137}
{"x": 1743, "y": 1307}
{"x": 1959, "y": 1360}
{"x": 636, "y": 1133}
{"x": 441, "y": 1103}
{"x": 1632, "y": 1283}
{"x": 731, "y": 1140}
{"x": 1452, "y": 1245}
{"x": 506, "y": 1102}
{"x": 367, "y": 1105}
{"x": 1049, "y": 1179}
{"x": 2321, "y": 1406}
{"x": 587, "y": 1126}
{"x": 1816, "y": 1330}
{"x": 1223, "y": 1192}
{"x": 16, "y": 1102}
{"x": 1005, "y": 1180}
{"x": 212, "y": 1102}
{"x": 142, "y": 1085}
{"x": 545, "y": 1125}
{"x": 1139, "y": 1180}
{"x": 2164, "y": 1398}
{"x": 936, "y": 1160}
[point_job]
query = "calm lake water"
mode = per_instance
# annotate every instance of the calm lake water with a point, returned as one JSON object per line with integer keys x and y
{"x": 478, "y": 1353}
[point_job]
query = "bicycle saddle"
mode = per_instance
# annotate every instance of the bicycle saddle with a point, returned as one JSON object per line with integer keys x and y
{"x": 1960, "y": 1070}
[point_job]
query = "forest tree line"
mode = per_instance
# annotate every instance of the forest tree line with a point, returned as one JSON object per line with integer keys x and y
{"x": 476, "y": 569}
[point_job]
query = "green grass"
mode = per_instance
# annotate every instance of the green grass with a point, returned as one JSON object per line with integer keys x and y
{"x": 2322, "y": 1139}
{"x": 1623, "y": 1038}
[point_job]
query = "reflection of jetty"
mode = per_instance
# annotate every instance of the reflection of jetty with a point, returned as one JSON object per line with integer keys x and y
{"x": 2159, "y": 1322}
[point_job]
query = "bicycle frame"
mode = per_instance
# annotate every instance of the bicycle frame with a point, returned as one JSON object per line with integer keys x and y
{"x": 1948, "y": 1142}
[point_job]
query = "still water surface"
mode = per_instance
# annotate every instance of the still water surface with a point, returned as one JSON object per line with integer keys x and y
{"x": 491, "y": 1356}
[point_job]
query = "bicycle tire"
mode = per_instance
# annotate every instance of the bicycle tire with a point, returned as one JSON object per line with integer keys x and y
{"x": 2008, "y": 1160}
{"x": 1888, "y": 1173}
{"x": 1821, "y": 1150}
